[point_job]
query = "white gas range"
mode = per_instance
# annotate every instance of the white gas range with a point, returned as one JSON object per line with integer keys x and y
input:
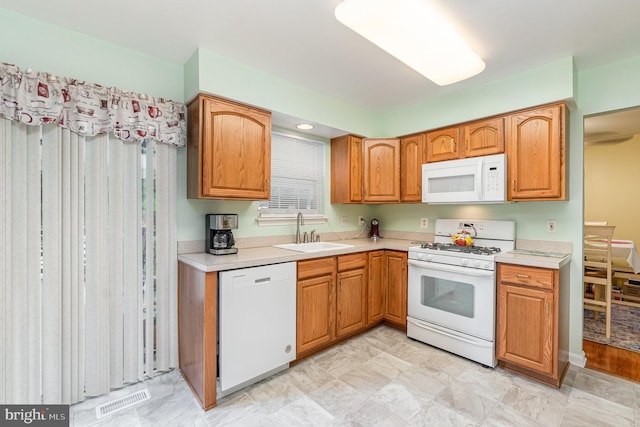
{"x": 452, "y": 289}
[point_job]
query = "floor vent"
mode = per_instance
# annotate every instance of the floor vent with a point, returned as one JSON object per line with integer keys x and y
{"x": 122, "y": 403}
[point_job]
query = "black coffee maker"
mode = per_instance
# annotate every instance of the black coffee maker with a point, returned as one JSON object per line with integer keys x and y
{"x": 219, "y": 236}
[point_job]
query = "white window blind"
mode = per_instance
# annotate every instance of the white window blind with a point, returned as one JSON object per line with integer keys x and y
{"x": 88, "y": 293}
{"x": 297, "y": 178}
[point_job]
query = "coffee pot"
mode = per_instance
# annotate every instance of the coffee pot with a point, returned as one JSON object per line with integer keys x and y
{"x": 220, "y": 239}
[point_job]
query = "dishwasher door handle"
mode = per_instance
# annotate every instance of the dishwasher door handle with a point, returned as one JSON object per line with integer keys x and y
{"x": 244, "y": 281}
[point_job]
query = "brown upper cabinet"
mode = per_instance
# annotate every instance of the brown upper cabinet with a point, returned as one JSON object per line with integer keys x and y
{"x": 411, "y": 159}
{"x": 479, "y": 138}
{"x": 229, "y": 150}
{"x": 443, "y": 144}
{"x": 346, "y": 169}
{"x": 483, "y": 137}
{"x": 389, "y": 170}
{"x": 381, "y": 167}
{"x": 536, "y": 154}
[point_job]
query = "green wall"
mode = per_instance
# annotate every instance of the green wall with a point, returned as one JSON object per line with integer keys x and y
{"x": 30, "y": 43}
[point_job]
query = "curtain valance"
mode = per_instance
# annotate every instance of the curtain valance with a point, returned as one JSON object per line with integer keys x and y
{"x": 36, "y": 98}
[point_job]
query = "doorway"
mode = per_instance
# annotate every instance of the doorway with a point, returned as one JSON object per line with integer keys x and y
{"x": 611, "y": 196}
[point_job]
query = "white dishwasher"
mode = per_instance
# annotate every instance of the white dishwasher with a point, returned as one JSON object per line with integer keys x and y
{"x": 257, "y": 323}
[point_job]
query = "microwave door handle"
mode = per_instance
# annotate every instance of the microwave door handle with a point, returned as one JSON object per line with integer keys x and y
{"x": 479, "y": 178}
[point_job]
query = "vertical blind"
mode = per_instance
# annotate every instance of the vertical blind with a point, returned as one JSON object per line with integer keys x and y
{"x": 87, "y": 263}
{"x": 297, "y": 176}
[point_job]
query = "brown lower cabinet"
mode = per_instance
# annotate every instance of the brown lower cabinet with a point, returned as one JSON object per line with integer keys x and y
{"x": 376, "y": 289}
{"x": 332, "y": 300}
{"x": 197, "y": 305}
{"x": 387, "y": 288}
{"x": 344, "y": 295}
{"x": 351, "y": 294}
{"x": 396, "y": 284}
{"x": 316, "y": 304}
{"x": 532, "y": 322}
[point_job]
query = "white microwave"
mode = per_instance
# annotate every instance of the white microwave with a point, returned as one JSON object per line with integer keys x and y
{"x": 472, "y": 180}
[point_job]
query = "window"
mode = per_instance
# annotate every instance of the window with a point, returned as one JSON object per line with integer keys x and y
{"x": 297, "y": 180}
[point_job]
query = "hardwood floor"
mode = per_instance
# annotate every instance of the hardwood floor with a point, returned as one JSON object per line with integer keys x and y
{"x": 612, "y": 360}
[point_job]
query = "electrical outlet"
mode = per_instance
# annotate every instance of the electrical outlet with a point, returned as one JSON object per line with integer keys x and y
{"x": 344, "y": 221}
{"x": 361, "y": 220}
{"x": 424, "y": 222}
{"x": 552, "y": 227}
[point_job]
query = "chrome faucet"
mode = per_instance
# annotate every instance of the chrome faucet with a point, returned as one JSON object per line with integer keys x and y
{"x": 299, "y": 222}
{"x": 312, "y": 236}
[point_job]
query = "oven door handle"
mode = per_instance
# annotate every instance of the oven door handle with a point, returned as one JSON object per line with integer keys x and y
{"x": 446, "y": 332}
{"x": 451, "y": 268}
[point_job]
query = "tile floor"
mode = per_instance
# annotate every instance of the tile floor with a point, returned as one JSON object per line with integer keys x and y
{"x": 382, "y": 378}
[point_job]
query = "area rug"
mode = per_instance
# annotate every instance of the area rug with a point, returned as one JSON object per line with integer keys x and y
{"x": 625, "y": 327}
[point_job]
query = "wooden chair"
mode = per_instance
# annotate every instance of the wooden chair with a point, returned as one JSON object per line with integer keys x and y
{"x": 598, "y": 274}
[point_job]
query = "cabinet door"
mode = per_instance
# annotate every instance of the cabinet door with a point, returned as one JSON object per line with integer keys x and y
{"x": 483, "y": 138}
{"x": 443, "y": 144}
{"x": 381, "y": 170}
{"x": 346, "y": 169}
{"x": 376, "y": 287}
{"x": 229, "y": 150}
{"x": 315, "y": 312}
{"x": 536, "y": 154}
{"x": 351, "y": 294}
{"x": 525, "y": 328}
{"x": 396, "y": 299}
{"x": 411, "y": 158}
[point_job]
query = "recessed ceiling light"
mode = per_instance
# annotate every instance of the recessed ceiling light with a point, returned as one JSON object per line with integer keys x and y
{"x": 414, "y": 33}
{"x": 304, "y": 126}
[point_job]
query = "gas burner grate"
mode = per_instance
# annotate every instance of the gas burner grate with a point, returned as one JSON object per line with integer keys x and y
{"x": 450, "y": 247}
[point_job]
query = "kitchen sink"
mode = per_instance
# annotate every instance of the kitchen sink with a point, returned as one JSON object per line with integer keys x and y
{"x": 313, "y": 246}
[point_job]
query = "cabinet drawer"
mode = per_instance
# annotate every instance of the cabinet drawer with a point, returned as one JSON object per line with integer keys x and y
{"x": 349, "y": 262}
{"x": 315, "y": 267}
{"x": 529, "y": 276}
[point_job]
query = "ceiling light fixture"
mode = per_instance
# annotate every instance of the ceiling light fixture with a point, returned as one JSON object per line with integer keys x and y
{"x": 304, "y": 126}
{"x": 413, "y": 32}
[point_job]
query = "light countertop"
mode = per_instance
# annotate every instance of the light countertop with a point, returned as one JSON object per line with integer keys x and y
{"x": 534, "y": 258}
{"x": 253, "y": 257}
{"x": 264, "y": 255}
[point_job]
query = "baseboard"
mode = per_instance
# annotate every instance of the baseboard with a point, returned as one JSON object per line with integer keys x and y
{"x": 578, "y": 359}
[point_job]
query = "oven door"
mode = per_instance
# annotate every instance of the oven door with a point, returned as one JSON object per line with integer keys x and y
{"x": 458, "y": 298}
